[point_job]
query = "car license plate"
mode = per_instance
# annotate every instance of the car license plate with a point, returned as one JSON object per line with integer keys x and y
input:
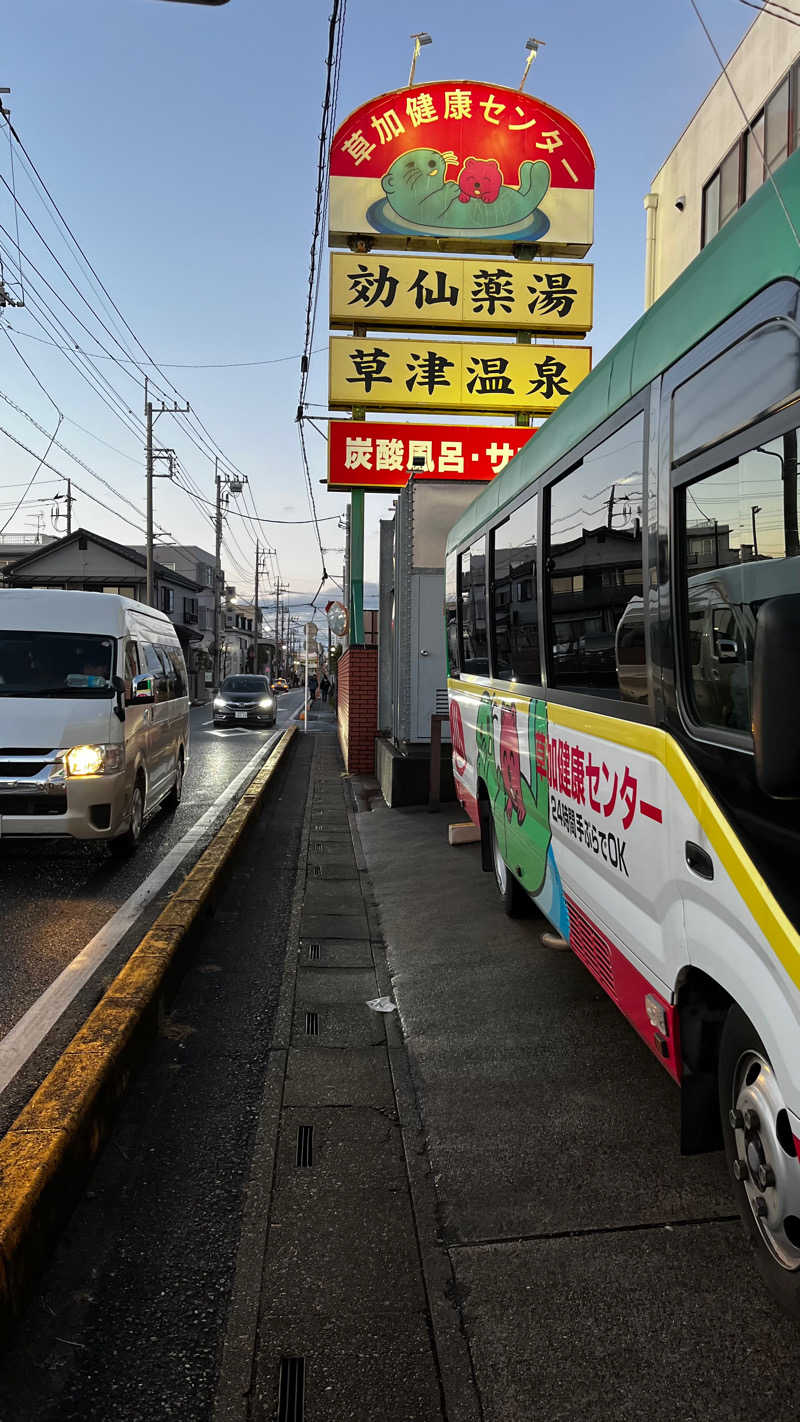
{"x": 240, "y": 715}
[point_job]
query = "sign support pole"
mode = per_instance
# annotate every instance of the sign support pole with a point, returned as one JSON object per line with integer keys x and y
{"x": 357, "y": 567}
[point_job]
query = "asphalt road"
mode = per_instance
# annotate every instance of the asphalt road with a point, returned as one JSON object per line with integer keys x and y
{"x": 127, "y": 1320}
{"x": 56, "y": 896}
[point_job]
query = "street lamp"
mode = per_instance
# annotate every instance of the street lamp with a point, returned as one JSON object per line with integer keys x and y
{"x": 533, "y": 46}
{"x": 419, "y": 40}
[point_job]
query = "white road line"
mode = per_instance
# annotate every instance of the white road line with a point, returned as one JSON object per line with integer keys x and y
{"x": 25, "y": 1036}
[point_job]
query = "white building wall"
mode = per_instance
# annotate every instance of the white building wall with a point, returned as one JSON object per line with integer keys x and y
{"x": 765, "y": 54}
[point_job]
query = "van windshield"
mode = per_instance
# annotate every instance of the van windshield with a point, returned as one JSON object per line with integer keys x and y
{"x": 55, "y": 664}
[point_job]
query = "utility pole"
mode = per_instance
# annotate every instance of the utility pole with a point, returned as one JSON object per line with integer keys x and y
{"x": 224, "y": 486}
{"x": 217, "y": 569}
{"x": 151, "y": 415}
{"x": 755, "y": 509}
{"x": 255, "y": 613}
{"x": 148, "y": 414}
{"x": 69, "y": 507}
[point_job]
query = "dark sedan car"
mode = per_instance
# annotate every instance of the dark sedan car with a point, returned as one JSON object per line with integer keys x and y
{"x": 244, "y": 699}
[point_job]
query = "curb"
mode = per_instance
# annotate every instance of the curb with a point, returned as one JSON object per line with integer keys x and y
{"x": 49, "y": 1150}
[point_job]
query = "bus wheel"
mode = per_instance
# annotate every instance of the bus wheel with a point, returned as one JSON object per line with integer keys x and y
{"x": 762, "y": 1158}
{"x": 510, "y": 890}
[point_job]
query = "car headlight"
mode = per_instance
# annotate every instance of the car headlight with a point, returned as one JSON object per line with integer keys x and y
{"x": 265, "y": 703}
{"x": 94, "y": 760}
{"x": 220, "y": 703}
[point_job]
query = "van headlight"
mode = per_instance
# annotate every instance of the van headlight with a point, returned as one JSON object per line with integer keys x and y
{"x": 220, "y": 703}
{"x": 266, "y": 703}
{"x": 94, "y": 760}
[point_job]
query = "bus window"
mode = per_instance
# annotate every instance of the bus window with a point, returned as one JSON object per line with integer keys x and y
{"x": 451, "y": 612}
{"x": 595, "y": 561}
{"x": 474, "y": 657}
{"x": 738, "y": 532}
{"x": 515, "y": 608}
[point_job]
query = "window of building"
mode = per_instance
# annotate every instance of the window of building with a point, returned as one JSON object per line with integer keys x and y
{"x": 594, "y": 562}
{"x": 753, "y": 501}
{"x": 474, "y": 646}
{"x": 754, "y": 157}
{"x": 190, "y": 609}
{"x": 729, "y": 195}
{"x": 167, "y": 599}
{"x": 711, "y": 209}
{"x": 776, "y": 116}
{"x": 514, "y": 601}
{"x": 774, "y": 133}
{"x": 121, "y": 589}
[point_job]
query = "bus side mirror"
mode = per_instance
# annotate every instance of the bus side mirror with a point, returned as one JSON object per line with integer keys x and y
{"x": 142, "y": 690}
{"x": 776, "y": 687}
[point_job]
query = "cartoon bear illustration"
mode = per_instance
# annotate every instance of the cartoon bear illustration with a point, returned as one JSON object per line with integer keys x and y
{"x": 510, "y": 767}
{"x": 480, "y": 178}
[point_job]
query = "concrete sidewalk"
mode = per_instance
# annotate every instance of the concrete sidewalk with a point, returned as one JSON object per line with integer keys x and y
{"x": 491, "y": 1219}
{"x": 336, "y": 1292}
{"x": 598, "y": 1274}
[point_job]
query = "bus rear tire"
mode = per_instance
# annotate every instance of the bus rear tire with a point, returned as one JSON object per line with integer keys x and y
{"x": 761, "y": 1157}
{"x": 512, "y": 895}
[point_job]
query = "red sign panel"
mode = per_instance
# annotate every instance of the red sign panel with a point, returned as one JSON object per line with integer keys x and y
{"x": 373, "y": 455}
{"x": 474, "y": 166}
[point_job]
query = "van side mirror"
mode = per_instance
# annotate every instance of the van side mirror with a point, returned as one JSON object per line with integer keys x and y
{"x": 776, "y": 687}
{"x": 142, "y": 690}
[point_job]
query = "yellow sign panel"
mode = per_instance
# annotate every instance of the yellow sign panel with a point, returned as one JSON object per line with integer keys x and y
{"x": 430, "y": 374}
{"x": 451, "y": 294}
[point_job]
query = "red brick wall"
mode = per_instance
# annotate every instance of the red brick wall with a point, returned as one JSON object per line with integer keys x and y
{"x": 357, "y": 708}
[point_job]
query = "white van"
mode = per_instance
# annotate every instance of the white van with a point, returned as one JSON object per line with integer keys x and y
{"x": 94, "y": 715}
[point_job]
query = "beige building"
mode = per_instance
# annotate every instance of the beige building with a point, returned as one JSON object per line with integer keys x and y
{"x": 718, "y": 161}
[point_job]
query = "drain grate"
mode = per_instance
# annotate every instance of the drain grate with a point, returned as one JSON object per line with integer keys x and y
{"x": 313, "y": 952}
{"x": 305, "y": 1140}
{"x": 312, "y": 1024}
{"x": 317, "y": 871}
{"x": 316, "y": 846}
{"x": 291, "y": 1390}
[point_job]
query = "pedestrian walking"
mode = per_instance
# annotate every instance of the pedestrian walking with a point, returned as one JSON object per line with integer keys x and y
{"x": 324, "y": 686}
{"x": 312, "y": 687}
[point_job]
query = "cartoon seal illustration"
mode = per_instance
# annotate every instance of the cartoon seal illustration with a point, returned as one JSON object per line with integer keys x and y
{"x": 418, "y": 193}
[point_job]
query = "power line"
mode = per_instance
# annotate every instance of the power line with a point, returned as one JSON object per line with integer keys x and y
{"x": 328, "y": 518}
{"x": 748, "y": 124}
{"x": 35, "y": 472}
{"x": 177, "y": 365}
{"x": 330, "y": 97}
{"x": 77, "y": 460}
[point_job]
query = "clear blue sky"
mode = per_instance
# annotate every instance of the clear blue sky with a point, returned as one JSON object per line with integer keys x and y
{"x": 180, "y": 143}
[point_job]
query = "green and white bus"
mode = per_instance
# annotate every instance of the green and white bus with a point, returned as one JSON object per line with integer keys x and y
{"x": 623, "y": 624}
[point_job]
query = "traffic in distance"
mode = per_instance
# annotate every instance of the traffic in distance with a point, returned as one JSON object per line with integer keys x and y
{"x": 623, "y": 629}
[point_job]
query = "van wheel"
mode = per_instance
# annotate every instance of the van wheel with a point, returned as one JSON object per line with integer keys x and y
{"x": 173, "y": 799}
{"x": 511, "y": 892}
{"x": 128, "y": 842}
{"x": 762, "y": 1158}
